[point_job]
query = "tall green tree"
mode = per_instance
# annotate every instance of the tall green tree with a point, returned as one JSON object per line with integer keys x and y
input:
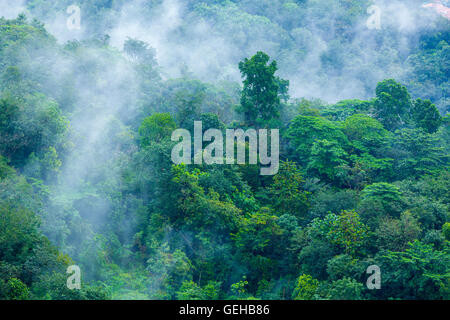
{"x": 426, "y": 115}
{"x": 260, "y": 98}
{"x": 392, "y": 105}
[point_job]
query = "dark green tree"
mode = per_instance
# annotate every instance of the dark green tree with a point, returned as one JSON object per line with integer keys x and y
{"x": 426, "y": 115}
{"x": 392, "y": 105}
{"x": 260, "y": 98}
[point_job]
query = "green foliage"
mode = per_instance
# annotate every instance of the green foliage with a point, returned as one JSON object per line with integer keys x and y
{"x": 5, "y": 170}
{"x": 344, "y": 266}
{"x": 259, "y": 244}
{"x": 18, "y": 233}
{"x": 325, "y": 159}
{"x": 426, "y": 115}
{"x": 393, "y": 104}
{"x": 286, "y": 191}
{"x": 155, "y": 128}
{"x": 446, "y": 230}
{"x": 344, "y": 230}
{"x": 187, "y": 97}
{"x": 260, "y": 100}
{"x": 85, "y": 156}
{"x": 306, "y": 288}
{"x": 419, "y": 272}
{"x": 381, "y": 199}
{"x": 395, "y": 234}
{"x": 238, "y": 288}
{"x": 418, "y": 153}
{"x": 346, "y": 108}
{"x": 170, "y": 270}
{"x": 345, "y": 289}
{"x": 365, "y": 133}
{"x": 304, "y": 131}
{"x": 189, "y": 290}
{"x": 53, "y": 286}
{"x": 16, "y": 290}
{"x": 21, "y": 132}
{"x": 139, "y": 51}
{"x": 428, "y": 73}
{"x": 188, "y": 203}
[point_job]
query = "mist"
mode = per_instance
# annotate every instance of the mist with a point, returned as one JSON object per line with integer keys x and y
{"x": 10, "y": 9}
{"x": 210, "y": 48}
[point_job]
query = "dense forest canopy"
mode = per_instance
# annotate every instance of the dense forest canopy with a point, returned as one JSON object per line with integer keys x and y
{"x": 86, "y": 176}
